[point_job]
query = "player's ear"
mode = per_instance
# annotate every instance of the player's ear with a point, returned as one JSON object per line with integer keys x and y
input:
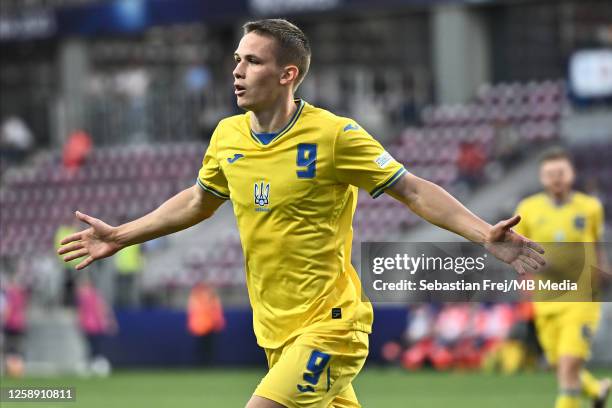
{"x": 289, "y": 74}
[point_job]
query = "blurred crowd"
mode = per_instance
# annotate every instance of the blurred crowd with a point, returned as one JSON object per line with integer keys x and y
{"x": 55, "y": 285}
{"x": 467, "y": 336}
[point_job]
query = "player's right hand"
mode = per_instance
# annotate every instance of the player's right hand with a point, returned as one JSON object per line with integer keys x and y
{"x": 96, "y": 242}
{"x": 506, "y": 245}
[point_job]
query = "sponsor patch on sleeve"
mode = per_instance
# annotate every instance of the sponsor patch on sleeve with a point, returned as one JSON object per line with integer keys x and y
{"x": 384, "y": 159}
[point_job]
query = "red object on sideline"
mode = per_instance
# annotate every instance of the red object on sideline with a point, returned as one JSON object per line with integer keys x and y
{"x": 76, "y": 149}
{"x": 204, "y": 311}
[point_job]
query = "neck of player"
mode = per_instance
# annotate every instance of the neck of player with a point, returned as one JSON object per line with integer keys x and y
{"x": 560, "y": 197}
{"x": 273, "y": 118}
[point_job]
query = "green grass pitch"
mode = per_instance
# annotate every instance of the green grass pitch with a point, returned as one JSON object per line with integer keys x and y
{"x": 384, "y": 388}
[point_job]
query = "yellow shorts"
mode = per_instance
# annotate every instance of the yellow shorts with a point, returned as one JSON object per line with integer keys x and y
{"x": 568, "y": 331}
{"x": 315, "y": 370}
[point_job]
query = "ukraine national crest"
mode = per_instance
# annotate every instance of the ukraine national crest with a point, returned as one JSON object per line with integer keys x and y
{"x": 262, "y": 194}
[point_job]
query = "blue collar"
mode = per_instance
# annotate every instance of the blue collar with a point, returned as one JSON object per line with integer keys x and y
{"x": 267, "y": 138}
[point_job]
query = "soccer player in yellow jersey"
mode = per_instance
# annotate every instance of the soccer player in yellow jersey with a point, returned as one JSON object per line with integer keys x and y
{"x": 291, "y": 171}
{"x": 565, "y": 329}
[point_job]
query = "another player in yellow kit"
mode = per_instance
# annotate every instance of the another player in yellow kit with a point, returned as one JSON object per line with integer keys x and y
{"x": 291, "y": 171}
{"x": 565, "y": 329}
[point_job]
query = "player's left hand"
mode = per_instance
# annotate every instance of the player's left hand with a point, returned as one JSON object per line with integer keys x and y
{"x": 514, "y": 249}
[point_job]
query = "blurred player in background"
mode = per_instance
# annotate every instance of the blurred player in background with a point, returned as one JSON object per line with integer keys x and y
{"x": 97, "y": 321}
{"x": 566, "y": 329}
{"x": 291, "y": 171}
{"x": 14, "y": 322}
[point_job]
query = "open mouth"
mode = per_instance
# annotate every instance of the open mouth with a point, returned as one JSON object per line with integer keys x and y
{"x": 239, "y": 90}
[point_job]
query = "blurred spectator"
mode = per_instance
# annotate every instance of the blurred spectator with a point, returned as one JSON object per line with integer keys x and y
{"x": 16, "y": 139}
{"x": 128, "y": 266}
{"x": 418, "y": 336}
{"x": 48, "y": 280}
{"x": 14, "y": 324}
{"x": 457, "y": 335}
{"x": 133, "y": 82}
{"x": 421, "y": 324}
{"x": 520, "y": 349}
{"x": 197, "y": 78}
{"x": 470, "y": 163}
{"x": 76, "y": 150}
{"x": 507, "y": 143}
{"x": 97, "y": 321}
{"x": 69, "y": 268}
{"x": 453, "y": 335}
{"x": 493, "y": 324}
{"x": 133, "y": 85}
{"x": 204, "y": 319}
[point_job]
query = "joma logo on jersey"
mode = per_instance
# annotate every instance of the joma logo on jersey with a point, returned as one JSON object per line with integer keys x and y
{"x": 237, "y": 156}
{"x": 262, "y": 196}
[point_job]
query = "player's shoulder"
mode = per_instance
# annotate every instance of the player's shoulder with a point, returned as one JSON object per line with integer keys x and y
{"x": 533, "y": 201}
{"x": 327, "y": 119}
{"x": 232, "y": 121}
{"x": 587, "y": 200}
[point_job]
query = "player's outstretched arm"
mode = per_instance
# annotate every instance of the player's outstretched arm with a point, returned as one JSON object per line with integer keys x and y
{"x": 432, "y": 203}
{"x": 101, "y": 240}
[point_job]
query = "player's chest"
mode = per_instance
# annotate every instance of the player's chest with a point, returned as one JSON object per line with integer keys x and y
{"x": 284, "y": 175}
{"x": 561, "y": 225}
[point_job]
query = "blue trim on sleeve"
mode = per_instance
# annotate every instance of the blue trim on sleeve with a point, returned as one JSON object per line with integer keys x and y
{"x": 391, "y": 181}
{"x": 212, "y": 190}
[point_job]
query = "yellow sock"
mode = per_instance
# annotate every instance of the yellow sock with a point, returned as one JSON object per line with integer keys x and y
{"x": 590, "y": 385}
{"x": 568, "y": 399}
{"x": 512, "y": 356}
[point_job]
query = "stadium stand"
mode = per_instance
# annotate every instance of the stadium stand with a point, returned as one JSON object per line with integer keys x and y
{"x": 36, "y": 199}
{"x": 593, "y": 160}
{"x": 130, "y": 180}
{"x": 533, "y": 110}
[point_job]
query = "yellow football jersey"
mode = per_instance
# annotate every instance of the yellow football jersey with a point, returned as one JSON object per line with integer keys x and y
{"x": 294, "y": 199}
{"x": 580, "y": 219}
